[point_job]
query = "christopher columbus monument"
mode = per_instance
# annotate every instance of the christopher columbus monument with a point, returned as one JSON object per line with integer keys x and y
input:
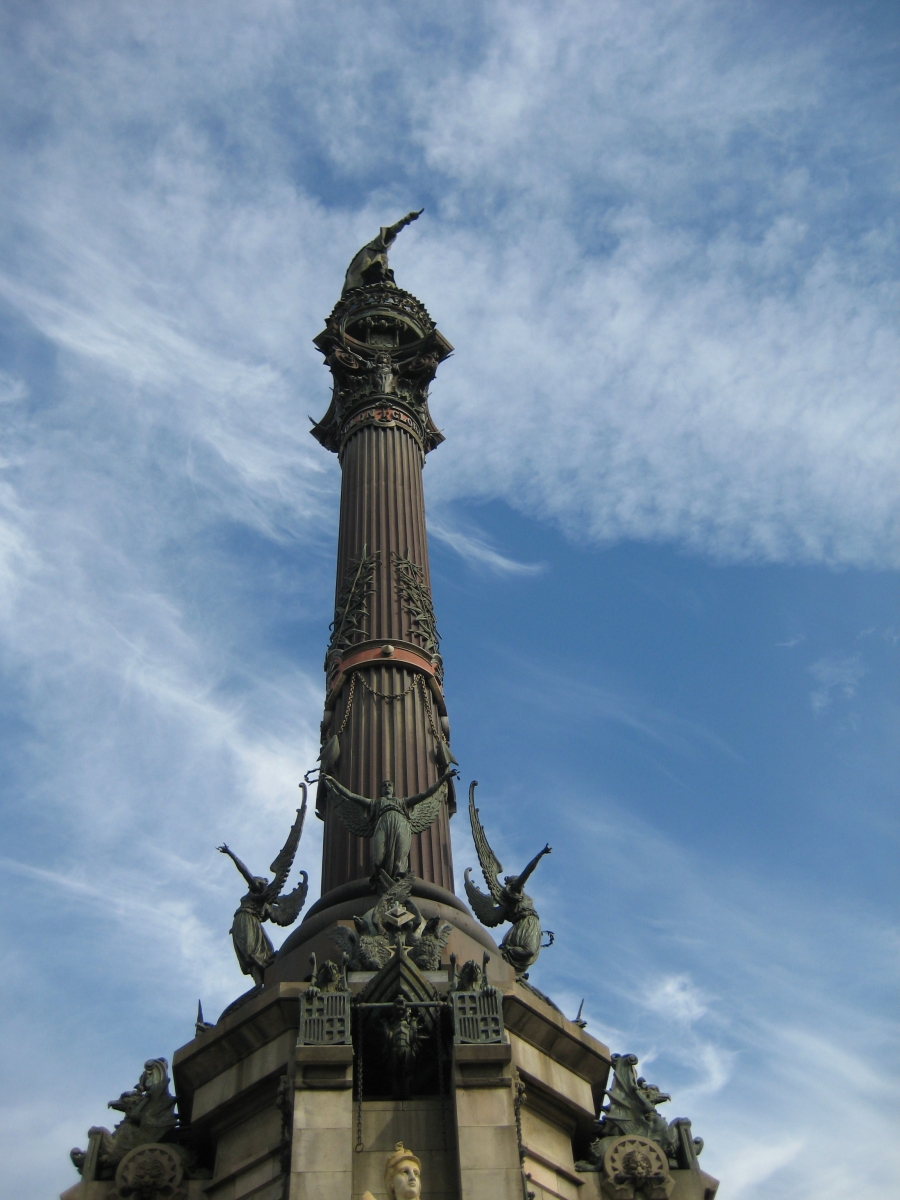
{"x": 391, "y": 1048}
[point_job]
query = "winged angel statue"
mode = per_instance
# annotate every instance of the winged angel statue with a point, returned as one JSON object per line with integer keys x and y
{"x": 521, "y": 944}
{"x": 264, "y": 902}
{"x": 389, "y": 820}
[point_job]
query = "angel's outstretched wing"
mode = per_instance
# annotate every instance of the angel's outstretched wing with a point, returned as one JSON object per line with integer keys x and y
{"x": 355, "y": 818}
{"x": 484, "y": 908}
{"x": 426, "y": 810}
{"x": 438, "y": 929}
{"x": 345, "y": 938}
{"x": 284, "y": 910}
{"x": 491, "y": 866}
{"x": 281, "y": 867}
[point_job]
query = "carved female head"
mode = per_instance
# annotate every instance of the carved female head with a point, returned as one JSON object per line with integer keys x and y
{"x": 403, "y": 1175}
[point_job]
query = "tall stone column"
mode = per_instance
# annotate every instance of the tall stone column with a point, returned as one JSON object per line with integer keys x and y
{"x": 385, "y": 716}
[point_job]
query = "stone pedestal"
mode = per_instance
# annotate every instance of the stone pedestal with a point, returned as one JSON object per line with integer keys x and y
{"x": 426, "y": 1124}
{"x": 282, "y": 1120}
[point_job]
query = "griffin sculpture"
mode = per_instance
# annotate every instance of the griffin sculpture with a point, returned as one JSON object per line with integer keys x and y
{"x": 149, "y": 1117}
{"x": 509, "y": 902}
{"x": 264, "y": 902}
{"x": 365, "y": 949}
{"x": 429, "y": 945}
{"x": 389, "y": 820}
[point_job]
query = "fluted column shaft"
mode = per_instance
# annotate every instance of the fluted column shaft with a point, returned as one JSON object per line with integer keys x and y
{"x": 383, "y": 518}
{"x": 384, "y": 716}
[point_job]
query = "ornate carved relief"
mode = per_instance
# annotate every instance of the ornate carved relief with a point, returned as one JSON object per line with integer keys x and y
{"x": 152, "y": 1172}
{"x": 477, "y": 1006}
{"x": 380, "y": 343}
{"x": 352, "y": 609}
{"x": 325, "y": 1007}
{"x": 409, "y": 580}
{"x": 635, "y": 1167}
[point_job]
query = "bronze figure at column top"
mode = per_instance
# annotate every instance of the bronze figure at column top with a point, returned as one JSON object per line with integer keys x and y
{"x": 385, "y": 721}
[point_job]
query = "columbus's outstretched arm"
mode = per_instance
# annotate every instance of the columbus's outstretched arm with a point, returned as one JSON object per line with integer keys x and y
{"x": 391, "y": 231}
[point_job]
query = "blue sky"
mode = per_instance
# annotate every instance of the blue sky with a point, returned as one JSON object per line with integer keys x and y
{"x": 664, "y": 524}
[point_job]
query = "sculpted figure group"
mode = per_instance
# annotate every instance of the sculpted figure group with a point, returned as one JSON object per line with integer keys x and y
{"x": 390, "y": 821}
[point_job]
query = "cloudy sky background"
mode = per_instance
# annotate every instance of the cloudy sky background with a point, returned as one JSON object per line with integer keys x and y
{"x": 662, "y": 237}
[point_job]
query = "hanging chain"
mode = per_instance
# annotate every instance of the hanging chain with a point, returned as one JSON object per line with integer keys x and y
{"x": 349, "y": 704}
{"x": 383, "y": 695}
{"x": 359, "y": 1081}
{"x": 416, "y": 681}
{"x": 518, "y": 1097}
{"x": 427, "y": 699}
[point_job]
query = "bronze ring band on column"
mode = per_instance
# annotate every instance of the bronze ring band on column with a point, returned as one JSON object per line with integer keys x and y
{"x": 387, "y": 414}
{"x": 372, "y": 654}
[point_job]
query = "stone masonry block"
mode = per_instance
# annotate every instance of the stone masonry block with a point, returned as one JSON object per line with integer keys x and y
{"x": 321, "y": 1110}
{"x": 491, "y": 1185}
{"x": 484, "y": 1106}
{"x": 487, "y": 1146}
{"x": 320, "y": 1185}
{"x": 321, "y": 1150}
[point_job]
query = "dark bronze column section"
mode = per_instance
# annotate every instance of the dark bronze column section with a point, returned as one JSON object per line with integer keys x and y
{"x": 383, "y": 667}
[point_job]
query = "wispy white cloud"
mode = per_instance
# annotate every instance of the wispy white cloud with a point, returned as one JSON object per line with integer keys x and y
{"x": 841, "y": 674}
{"x": 627, "y": 368}
{"x": 745, "y": 1070}
{"x": 675, "y": 996}
{"x": 476, "y": 550}
{"x": 12, "y": 389}
{"x": 674, "y": 322}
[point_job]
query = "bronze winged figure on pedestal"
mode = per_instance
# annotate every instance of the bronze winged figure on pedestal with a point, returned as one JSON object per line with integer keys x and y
{"x": 390, "y": 821}
{"x": 507, "y": 902}
{"x": 264, "y": 902}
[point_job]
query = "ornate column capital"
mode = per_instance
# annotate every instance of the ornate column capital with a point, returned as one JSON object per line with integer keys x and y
{"x": 383, "y": 350}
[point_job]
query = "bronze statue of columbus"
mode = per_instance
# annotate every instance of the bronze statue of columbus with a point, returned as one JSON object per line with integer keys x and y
{"x": 370, "y": 264}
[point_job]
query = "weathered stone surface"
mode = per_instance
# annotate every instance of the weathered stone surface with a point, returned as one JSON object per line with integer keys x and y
{"x": 321, "y": 1162}
{"x": 537, "y": 1068}
{"x": 560, "y": 1039}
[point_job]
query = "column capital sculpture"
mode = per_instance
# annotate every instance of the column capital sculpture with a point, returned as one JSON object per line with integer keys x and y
{"x": 383, "y": 350}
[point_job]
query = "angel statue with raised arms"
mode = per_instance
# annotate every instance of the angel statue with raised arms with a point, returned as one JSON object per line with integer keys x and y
{"x": 264, "y": 902}
{"x": 390, "y": 821}
{"x": 509, "y": 902}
